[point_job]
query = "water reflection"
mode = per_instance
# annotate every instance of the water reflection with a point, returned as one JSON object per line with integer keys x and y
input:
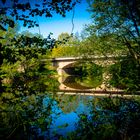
{"x": 71, "y": 82}
{"x": 70, "y": 107}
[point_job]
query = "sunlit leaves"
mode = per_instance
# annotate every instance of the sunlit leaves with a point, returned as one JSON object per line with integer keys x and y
{"x": 119, "y": 18}
{"x": 8, "y": 96}
{"x": 63, "y": 51}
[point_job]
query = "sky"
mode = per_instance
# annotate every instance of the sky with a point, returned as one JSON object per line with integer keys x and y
{"x": 58, "y": 24}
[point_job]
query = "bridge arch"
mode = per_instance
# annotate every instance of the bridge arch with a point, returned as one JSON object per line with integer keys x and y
{"x": 62, "y": 63}
{"x": 61, "y": 67}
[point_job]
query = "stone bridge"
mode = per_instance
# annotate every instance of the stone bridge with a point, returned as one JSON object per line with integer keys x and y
{"x": 66, "y": 62}
{"x": 62, "y": 64}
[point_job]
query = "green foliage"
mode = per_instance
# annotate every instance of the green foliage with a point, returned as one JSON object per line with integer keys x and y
{"x": 65, "y": 39}
{"x": 90, "y": 45}
{"x": 66, "y": 45}
{"x": 111, "y": 118}
{"x": 91, "y": 74}
{"x": 125, "y": 75}
{"x": 22, "y": 98}
{"x": 25, "y": 82}
{"x": 66, "y": 51}
{"x": 119, "y": 18}
{"x": 106, "y": 44}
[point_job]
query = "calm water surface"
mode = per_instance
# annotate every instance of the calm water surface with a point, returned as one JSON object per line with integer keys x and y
{"x": 69, "y": 107}
{"x": 69, "y": 111}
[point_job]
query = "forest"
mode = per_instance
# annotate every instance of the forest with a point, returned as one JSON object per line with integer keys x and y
{"x": 29, "y": 101}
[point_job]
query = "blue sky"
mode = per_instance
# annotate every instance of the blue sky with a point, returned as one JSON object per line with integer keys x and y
{"x": 57, "y": 24}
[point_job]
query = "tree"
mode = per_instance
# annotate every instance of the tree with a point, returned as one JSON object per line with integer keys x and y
{"x": 66, "y": 45}
{"x": 107, "y": 44}
{"x": 63, "y": 36}
{"x": 119, "y": 17}
{"x": 12, "y": 10}
{"x": 25, "y": 80}
{"x": 65, "y": 39}
{"x": 25, "y": 83}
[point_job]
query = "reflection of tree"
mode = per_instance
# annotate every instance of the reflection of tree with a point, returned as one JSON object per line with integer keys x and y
{"x": 91, "y": 74}
{"x": 25, "y": 81}
{"x": 22, "y": 100}
{"x": 85, "y": 105}
{"x": 70, "y": 103}
{"x": 72, "y": 82}
{"x": 110, "y": 118}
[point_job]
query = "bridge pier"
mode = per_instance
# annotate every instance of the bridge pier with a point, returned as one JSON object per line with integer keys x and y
{"x": 59, "y": 71}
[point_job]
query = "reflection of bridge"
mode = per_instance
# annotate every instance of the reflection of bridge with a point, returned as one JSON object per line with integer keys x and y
{"x": 70, "y": 88}
{"x": 68, "y": 85}
{"x": 99, "y": 93}
{"x": 66, "y": 62}
{"x": 63, "y": 64}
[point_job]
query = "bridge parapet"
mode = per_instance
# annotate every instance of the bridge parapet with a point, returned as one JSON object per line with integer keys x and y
{"x": 109, "y": 57}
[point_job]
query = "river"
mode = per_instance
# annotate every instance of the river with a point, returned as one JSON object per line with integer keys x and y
{"x": 67, "y": 108}
{"x": 70, "y": 105}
